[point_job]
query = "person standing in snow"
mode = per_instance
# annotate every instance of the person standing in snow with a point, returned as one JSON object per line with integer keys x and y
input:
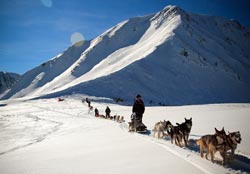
{"x": 138, "y": 108}
{"x": 107, "y": 111}
{"x": 88, "y": 101}
{"x": 96, "y": 112}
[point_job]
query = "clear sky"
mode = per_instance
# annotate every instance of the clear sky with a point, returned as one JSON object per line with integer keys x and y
{"x": 34, "y": 31}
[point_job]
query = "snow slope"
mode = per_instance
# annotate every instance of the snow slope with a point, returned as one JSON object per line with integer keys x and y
{"x": 46, "y": 72}
{"x": 171, "y": 58}
{"x": 47, "y": 136}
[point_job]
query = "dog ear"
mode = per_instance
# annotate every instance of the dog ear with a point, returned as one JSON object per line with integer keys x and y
{"x": 191, "y": 118}
{"x": 185, "y": 119}
{"x": 216, "y": 130}
{"x": 223, "y": 129}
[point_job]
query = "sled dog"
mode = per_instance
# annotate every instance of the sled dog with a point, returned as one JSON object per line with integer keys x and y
{"x": 132, "y": 126}
{"x": 159, "y": 129}
{"x": 212, "y": 143}
{"x": 121, "y": 119}
{"x": 117, "y": 118}
{"x": 232, "y": 140}
{"x": 185, "y": 129}
{"x": 175, "y": 133}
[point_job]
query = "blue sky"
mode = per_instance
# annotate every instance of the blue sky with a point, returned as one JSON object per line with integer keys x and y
{"x": 33, "y": 31}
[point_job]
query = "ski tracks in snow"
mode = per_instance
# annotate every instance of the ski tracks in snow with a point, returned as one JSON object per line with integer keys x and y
{"x": 40, "y": 123}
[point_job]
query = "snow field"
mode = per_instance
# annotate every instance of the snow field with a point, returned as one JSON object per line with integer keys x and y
{"x": 46, "y": 136}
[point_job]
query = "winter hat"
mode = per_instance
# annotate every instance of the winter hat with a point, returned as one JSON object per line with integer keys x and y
{"x": 138, "y": 96}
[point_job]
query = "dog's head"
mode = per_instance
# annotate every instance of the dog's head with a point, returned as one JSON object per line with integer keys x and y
{"x": 235, "y": 137}
{"x": 189, "y": 123}
{"x": 168, "y": 124}
{"x": 220, "y": 135}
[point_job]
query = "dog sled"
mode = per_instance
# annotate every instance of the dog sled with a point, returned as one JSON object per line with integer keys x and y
{"x": 136, "y": 125}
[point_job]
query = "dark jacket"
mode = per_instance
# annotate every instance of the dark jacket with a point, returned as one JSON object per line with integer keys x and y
{"x": 107, "y": 111}
{"x": 96, "y": 112}
{"x": 138, "y": 108}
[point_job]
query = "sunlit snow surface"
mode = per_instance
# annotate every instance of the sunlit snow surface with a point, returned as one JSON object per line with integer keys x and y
{"x": 47, "y": 136}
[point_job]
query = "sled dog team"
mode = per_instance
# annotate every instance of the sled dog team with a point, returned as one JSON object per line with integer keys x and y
{"x": 116, "y": 118}
{"x": 179, "y": 134}
{"x": 218, "y": 142}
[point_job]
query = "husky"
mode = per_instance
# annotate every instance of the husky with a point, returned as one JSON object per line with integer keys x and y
{"x": 136, "y": 125}
{"x": 175, "y": 133}
{"x": 132, "y": 126}
{"x": 121, "y": 119}
{"x": 159, "y": 129}
{"x": 232, "y": 140}
{"x": 185, "y": 129}
{"x": 212, "y": 144}
{"x": 117, "y": 118}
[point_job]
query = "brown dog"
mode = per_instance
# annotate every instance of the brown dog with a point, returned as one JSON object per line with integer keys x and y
{"x": 232, "y": 140}
{"x": 212, "y": 143}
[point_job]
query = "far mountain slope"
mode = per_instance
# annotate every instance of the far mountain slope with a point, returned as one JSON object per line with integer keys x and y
{"x": 172, "y": 57}
{"x": 7, "y": 80}
{"x": 202, "y": 59}
{"x": 46, "y": 72}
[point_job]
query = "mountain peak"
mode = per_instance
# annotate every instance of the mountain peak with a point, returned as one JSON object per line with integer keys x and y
{"x": 167, "y": 14}
{"x": 173, "y": 57}
{"x": 169, "y": 10}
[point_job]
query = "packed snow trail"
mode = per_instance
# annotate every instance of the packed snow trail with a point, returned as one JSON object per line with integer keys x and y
{"x": 85, "y": 144}
{"x": 191, "y": 154}
{"x": 81, "y": 144}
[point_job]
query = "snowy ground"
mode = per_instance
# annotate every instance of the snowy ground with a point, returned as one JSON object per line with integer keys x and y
{"x": 47, "y": 136}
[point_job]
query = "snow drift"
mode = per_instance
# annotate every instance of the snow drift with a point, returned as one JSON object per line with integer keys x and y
{"x": 171, "y": 58}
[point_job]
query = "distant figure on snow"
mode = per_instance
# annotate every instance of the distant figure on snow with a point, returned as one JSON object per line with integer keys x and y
{"x": 107, "y": 111}
{"x": 96, "y": 112}
{"x": 60, "y": 99}
{"x": 88, "y": 101}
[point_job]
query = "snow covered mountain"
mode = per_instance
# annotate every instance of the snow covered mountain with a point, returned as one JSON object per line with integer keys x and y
{"x": 7, "y": 80}
{"x": 172, "y": 57}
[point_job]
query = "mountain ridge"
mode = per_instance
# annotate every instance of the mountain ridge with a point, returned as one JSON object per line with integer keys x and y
{"x": 172, "y": 57}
